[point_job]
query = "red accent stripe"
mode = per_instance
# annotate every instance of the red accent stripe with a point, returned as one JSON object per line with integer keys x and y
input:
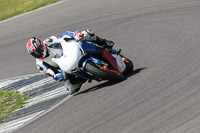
{"x": 76, "y": 32}
{"x": 29, "y": 44}
{"x": 110, "y": 59}
{"x": 33, "y": 50}
{"x": 80, "y": 34}
{"x": 42, "y": 57}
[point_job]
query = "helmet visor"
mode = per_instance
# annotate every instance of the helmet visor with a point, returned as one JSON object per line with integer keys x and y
{"x": 39, "y": 52}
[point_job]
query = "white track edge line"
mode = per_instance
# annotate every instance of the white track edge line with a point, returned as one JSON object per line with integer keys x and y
{"x": 3, "y": 21}
{"x": 43, "y": 113}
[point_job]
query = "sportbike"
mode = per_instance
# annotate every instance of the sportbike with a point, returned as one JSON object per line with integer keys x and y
{"x": 90, "y": 61}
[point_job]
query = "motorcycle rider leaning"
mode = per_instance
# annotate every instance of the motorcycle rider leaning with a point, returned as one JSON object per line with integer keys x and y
{"x": 51, "y": 47}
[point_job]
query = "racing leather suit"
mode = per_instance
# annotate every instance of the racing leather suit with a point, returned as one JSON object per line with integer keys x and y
{"x": 53, "y": 45}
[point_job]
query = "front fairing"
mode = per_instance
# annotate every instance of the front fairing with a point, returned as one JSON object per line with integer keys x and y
{"x": 71, "y": 54}
{"x": 120, "y": 62}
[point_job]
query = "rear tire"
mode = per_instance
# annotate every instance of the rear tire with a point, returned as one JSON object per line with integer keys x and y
{"x": 97, "y": 72}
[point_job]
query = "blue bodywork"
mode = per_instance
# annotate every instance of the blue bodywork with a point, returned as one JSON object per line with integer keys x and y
{"x": 68, "y": 33}
{"x": 88, "y": 48}
{"x": 92, "y": 48}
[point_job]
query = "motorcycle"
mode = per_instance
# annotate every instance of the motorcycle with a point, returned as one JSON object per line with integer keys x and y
{"x": 88, "y": 60}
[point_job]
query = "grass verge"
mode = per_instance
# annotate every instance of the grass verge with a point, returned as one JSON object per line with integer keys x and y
{"x": 10, "y": 8}
{"x": 10, "y": 101}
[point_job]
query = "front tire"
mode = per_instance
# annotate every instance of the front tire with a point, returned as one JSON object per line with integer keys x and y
{"x": 129, "y": 65}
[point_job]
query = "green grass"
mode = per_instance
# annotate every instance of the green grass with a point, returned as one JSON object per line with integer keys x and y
{"x": 10, "y": 8}
{"x": 10, "y": 101}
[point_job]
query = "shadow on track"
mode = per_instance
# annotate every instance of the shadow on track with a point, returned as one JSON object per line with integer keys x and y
{"x": 136, "y": 71}
{"x": 109, "y": 83}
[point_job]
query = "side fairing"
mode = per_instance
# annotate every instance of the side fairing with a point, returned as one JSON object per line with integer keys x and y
{"x": 92, "y": 48}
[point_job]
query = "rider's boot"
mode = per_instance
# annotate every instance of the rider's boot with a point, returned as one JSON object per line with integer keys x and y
{"x": 104, "y": 43}
{"x": 73, "y": 84}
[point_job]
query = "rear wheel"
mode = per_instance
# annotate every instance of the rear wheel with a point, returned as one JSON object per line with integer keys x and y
{"x": 104, "y": 72}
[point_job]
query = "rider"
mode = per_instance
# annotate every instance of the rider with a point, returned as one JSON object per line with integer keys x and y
{"x": 45, "y": 50}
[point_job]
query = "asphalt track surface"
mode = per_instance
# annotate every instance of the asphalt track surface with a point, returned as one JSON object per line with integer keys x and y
{"x": 161, "y": 37}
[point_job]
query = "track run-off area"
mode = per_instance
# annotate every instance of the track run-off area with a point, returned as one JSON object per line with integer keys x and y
{"x": 161, "y": 37}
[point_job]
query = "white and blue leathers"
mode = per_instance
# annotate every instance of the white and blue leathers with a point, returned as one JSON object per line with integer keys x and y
{"x": 53, "y": 45}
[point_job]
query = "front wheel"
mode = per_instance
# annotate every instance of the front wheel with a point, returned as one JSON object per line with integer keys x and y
{"x": 129, "y": 65}
{"x": 103, "y": 72}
